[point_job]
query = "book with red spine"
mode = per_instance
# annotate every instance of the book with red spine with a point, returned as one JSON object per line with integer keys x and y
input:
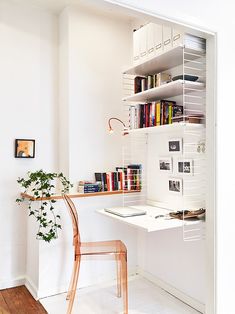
{"x": 109, "y": 181}
{"x": 146, "y": 115}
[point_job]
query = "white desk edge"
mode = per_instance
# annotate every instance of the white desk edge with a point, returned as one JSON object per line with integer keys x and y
{"x": 148, "y": 222}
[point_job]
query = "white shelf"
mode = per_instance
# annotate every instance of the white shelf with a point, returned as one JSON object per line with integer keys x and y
{"x": 169, "y": 128}
{"x": 148, "y": 222}
{"x": 162, "y": 62}
{"x": 165, "y": 91}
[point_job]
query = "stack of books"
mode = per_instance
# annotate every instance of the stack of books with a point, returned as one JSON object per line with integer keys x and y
{"x": 88, "y": 187}
{"x": 142, "y": 83}
{"x": 124, "y": 178}
{"x": 154, "y": 114}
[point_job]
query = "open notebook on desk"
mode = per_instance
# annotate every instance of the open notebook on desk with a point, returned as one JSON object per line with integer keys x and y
{"x": 125, "y": 211}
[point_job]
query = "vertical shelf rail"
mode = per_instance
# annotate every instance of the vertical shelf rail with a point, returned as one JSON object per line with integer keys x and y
{"x": 128, "y": 90}
{"x": 134, "y": 162}
{"x": 194, "y": 143}
{"x": 133, "y": 154}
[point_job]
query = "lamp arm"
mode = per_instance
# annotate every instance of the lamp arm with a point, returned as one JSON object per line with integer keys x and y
{"x": 109, "y": 122}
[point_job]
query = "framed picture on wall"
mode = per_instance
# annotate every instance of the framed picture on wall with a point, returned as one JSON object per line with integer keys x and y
{"x": 24, "y": 148}
{"x": 175, "y": 145}
{"x": 175, "y": 186}
{"x": 185, "y": 166}
{"x": 165, "y": 164}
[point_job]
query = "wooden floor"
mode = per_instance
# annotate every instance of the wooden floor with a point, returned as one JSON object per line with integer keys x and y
{"x": 19, "y": 301}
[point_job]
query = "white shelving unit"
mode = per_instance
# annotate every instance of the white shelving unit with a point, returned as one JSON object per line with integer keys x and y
{"x": 165, "y": 91}
{"x": 193, "y": 101}
{"x": 169, "y": 128}
{"x": 163, "y": 61}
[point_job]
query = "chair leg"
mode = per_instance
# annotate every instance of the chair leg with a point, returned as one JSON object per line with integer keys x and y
{"x": 124, "y": 282}
{"x": 71, "y": 281}
{"x": 118, "y": 265}
{"x": 74, "y": 285}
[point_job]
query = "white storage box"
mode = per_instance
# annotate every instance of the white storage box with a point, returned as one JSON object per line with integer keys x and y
{"x": 167, "y": 38}
{"x": 154, "y": 39}
{"x": 136, "y": 47}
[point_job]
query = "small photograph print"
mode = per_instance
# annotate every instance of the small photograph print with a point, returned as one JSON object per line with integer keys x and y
{"x": 24, "y": 148}
{"x": 185, "y": 166}
{"x": 175, "y": 145}
{"x": 165, "y": 164}
{"x": 175, "y": 186}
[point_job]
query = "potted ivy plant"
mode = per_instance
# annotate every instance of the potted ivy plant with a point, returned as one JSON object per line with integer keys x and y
{"x": 41, "y": 205}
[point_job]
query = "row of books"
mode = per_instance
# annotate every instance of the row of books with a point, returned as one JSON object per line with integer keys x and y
{"x": 154, "y": 114}
{"x": 124, "y": 178}
{"x": 142, "y": 83}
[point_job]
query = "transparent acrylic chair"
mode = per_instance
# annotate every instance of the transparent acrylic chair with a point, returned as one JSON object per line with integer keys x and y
{"x": 115, "y": 250}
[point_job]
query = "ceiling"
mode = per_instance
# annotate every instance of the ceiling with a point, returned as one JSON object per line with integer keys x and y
{"x": 106, "y": 8}
{"x": 57, "y": 6}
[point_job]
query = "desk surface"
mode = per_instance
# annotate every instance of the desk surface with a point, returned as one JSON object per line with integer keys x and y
{"x": 148, "y": 222}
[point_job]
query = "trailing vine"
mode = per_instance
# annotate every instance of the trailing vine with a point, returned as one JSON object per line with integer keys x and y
{"x": 42, "y": 185}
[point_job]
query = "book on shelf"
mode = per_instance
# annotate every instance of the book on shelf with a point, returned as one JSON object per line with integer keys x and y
{"x": 122, "y": 175}
{"x": 166, "y": 111}
{"x": 154, "y": 114}
{"x": 109, "y": 181}
{"x": 134, "y": 177}
{"x": 138, "y": 84}
{"x": 101, "y": 179}
{"x": 142, "y": 83}
{"x": 88, "y": 187}
{"x": 124, "y": 178}
{"x": 177, "y": 111}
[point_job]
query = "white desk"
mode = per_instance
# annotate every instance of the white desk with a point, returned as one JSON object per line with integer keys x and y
{"x": 148, "y": 222}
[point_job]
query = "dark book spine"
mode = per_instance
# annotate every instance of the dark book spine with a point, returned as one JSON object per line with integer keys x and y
{"x": 144, "y": 113}
{"x": 87, "y": 190}
{"x": 99, "y": 179}
{"x": 177, "y": 110}
{"x": 141, "y": 116}
{"x": 166, "y": 113}
{"x": 137, "y": 84}
{"x": 115, "y": 181}
{"x": 104, "y": 179}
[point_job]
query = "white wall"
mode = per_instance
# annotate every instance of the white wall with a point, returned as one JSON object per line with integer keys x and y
{"x": 193, "y": 186}
{"x": 92, "y": 48}
{"x": 99, "y": 46}
{"x": 28, "y": 76}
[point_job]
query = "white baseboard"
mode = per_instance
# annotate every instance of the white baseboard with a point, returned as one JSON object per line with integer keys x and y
{"x": 31, "y": 287}
{"x": 172, "y": 290}
{"x": 12, "y": 283}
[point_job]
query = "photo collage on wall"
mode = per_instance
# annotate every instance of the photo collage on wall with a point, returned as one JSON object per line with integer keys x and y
{"x": 184, "y": 166}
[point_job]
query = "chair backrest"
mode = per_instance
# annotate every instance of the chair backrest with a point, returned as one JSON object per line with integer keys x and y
{"x": 74, "y": 216}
